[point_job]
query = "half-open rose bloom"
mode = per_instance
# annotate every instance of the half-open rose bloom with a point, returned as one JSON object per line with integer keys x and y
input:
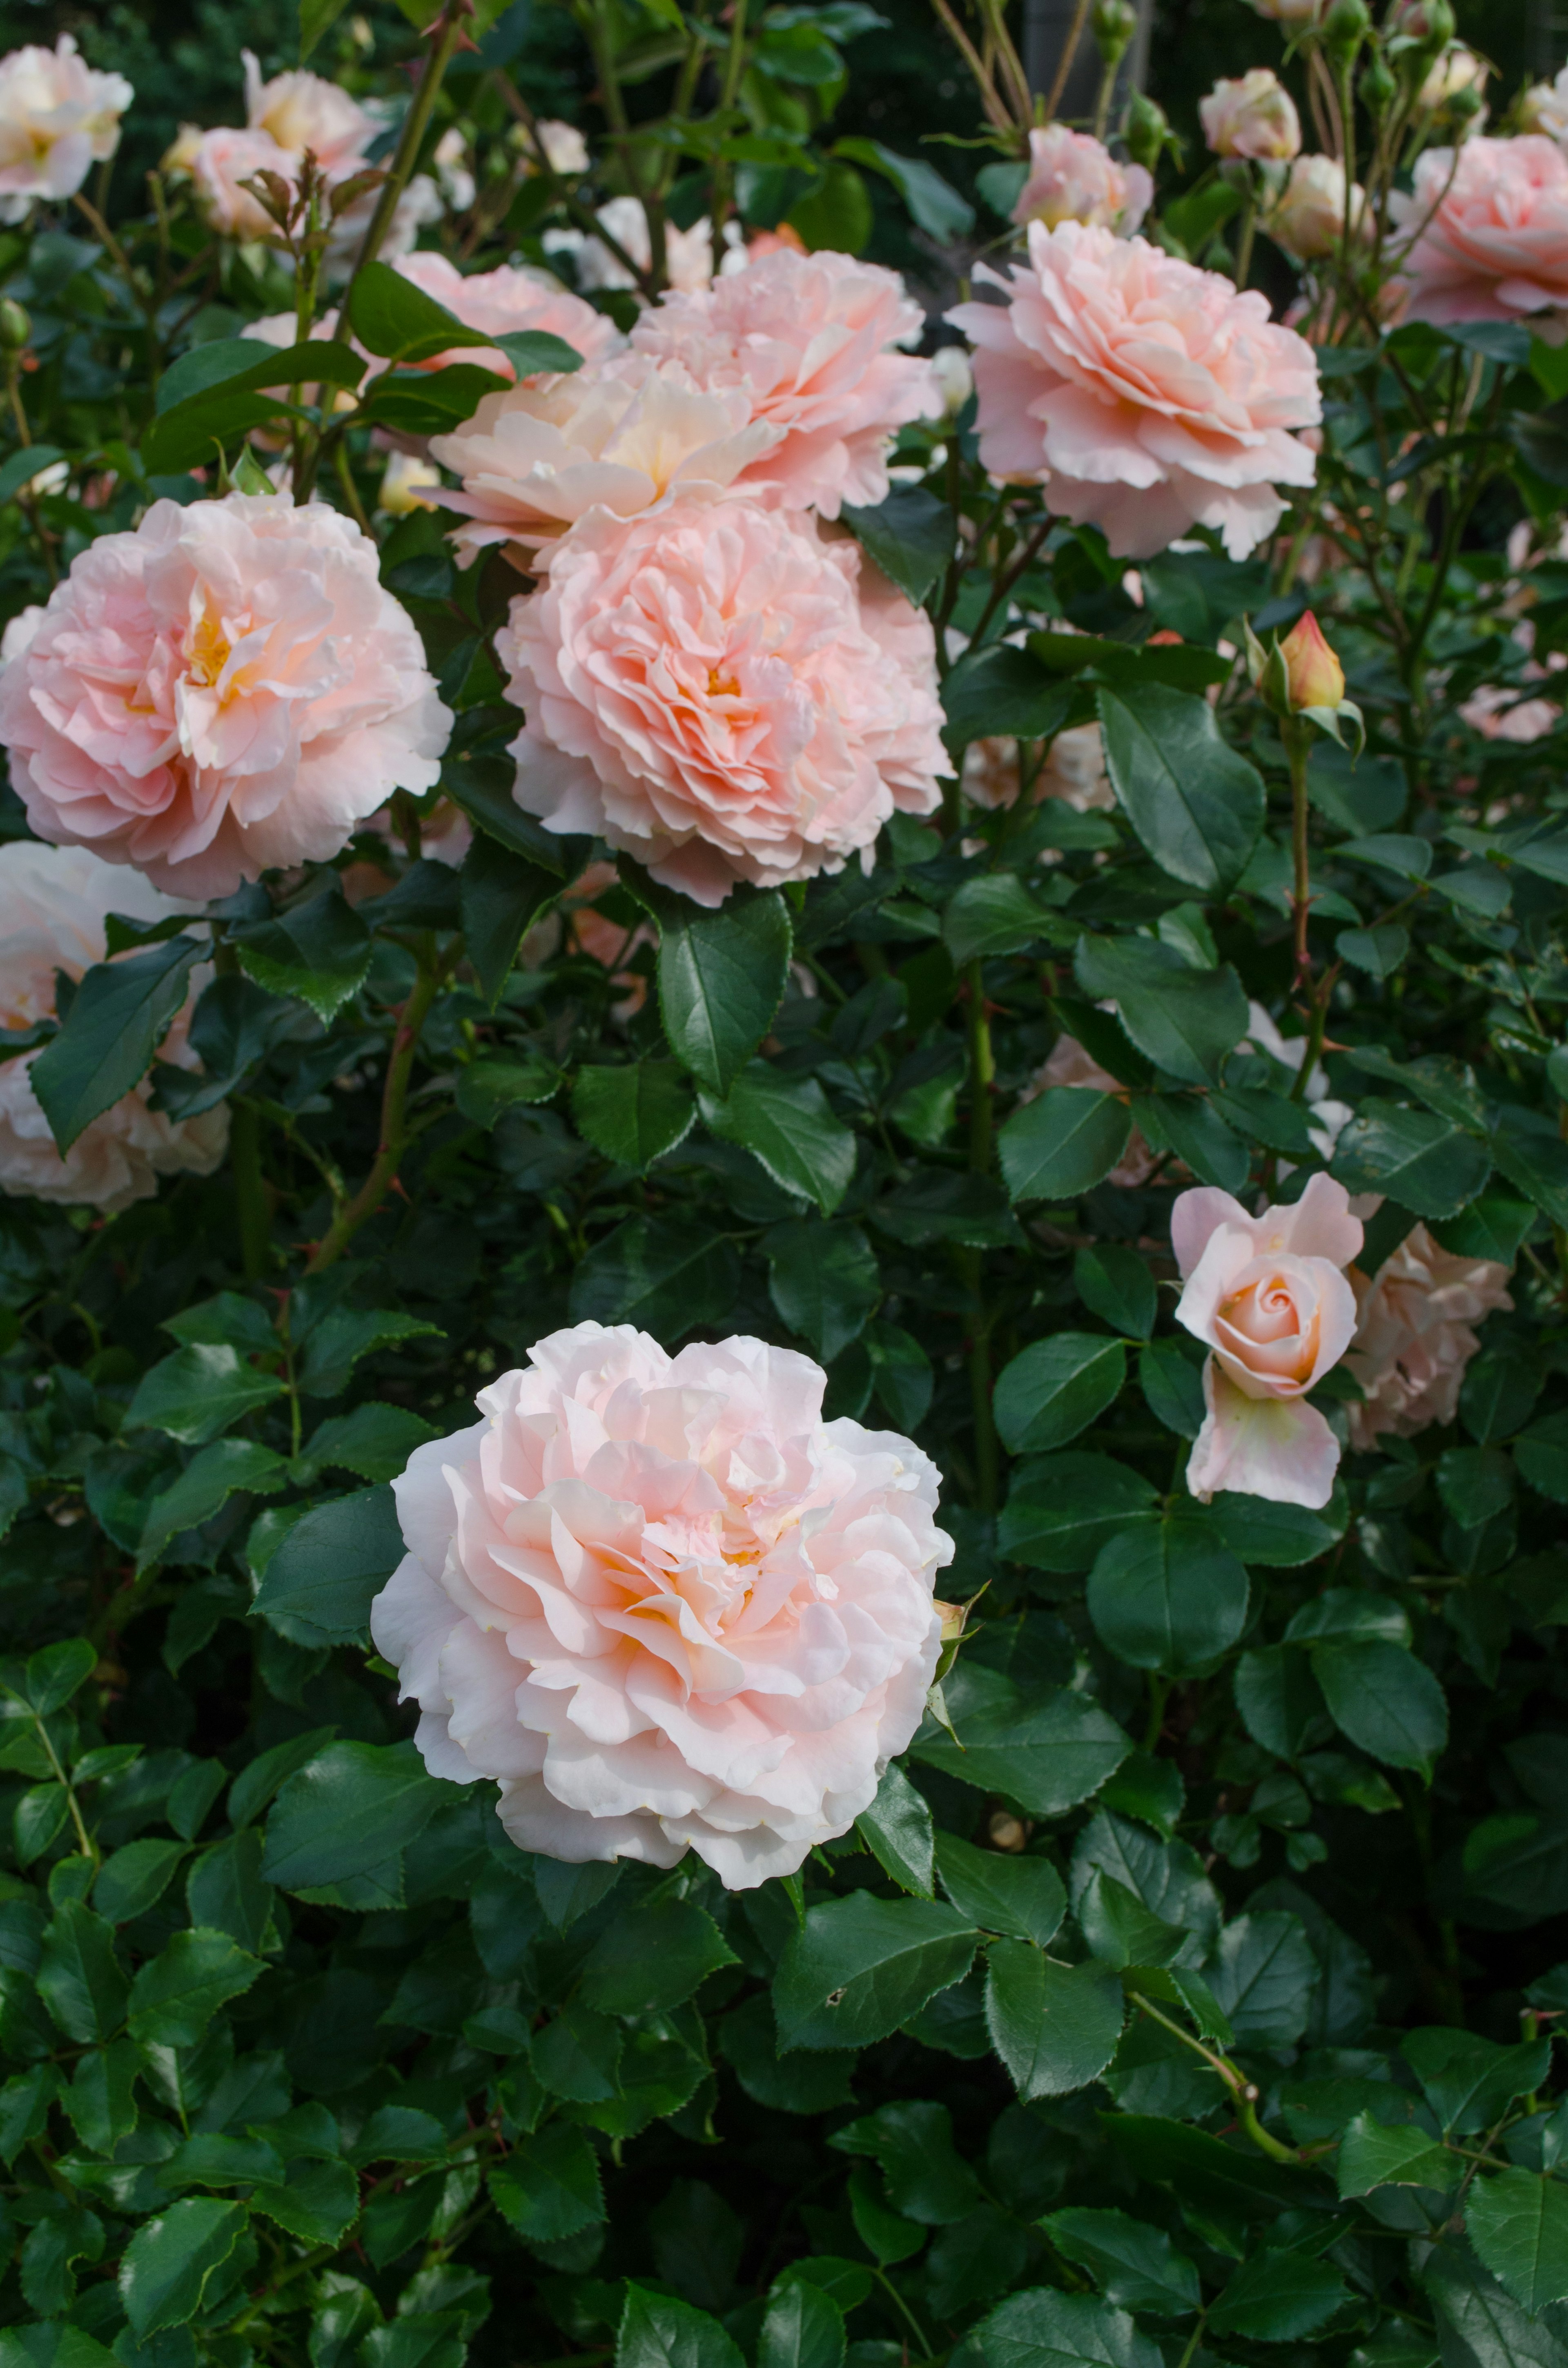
{"x": 53, "y": 904}
{"x": 1253, "y": 116}
{"x": 226, "y": 688}
{"x": 1269, "y": 1298}
{"x": 510, "y": 297}
{"x": 721, "y": 693}
{"x": 1490, "y": 243}
{"x": 1074, "y": 178}
{"x": 1144, "y": 396}
{"x": 59, "y": 116}
{"x": 664, "y": 1604}
{"x": 625, "y": 437}
{"x": 304, "y": 110}
{"x": 810, "y": 336}
{"x": 1414, "y": 1333}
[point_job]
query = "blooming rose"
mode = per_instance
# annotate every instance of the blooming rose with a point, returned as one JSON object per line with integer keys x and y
{"x": 808, "y": 335}
{"x": 689, "y": 253}
{"x": 721, "y": 693}
{"x": 1074, "y": 178}
{"x": 626, "y": 438}
{"x": 1307, "y": 218}
{"x": 57, "y": 117}
{"x": 1269, "y": 1298}
{"x": 53, "y": 902}
{"x": 664, "y": 1604}
{"x": 1544, "y": 109}
{"x": 511, "y": 297}
{"x": 1499, "y": 713}
{"x": 1459, "y": 69}
{"x": 220, "y": 161}
{"x": 302, "y": 110}
{"x": 1488, "y": 233}
{"x": 565, "y": 150}
{"x": 1074, "y": 770}
{"x": 18, "y": 634}
{"x": 227, "y": 687}
{"x": 1413, "y": 1333}
{"x": 1255, "y": 116}
{"x": 1145, "y": 395}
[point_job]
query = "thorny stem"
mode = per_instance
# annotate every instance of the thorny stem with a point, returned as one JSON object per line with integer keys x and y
{"x": 1243, "y": 2092}
{"x": 982, "y": 1076}
{"x": 444, "y": 35}
{"x": 1064, "y": 65}
{"x": 347, "y": 1220}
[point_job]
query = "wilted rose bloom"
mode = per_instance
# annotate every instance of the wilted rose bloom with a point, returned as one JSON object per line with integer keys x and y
{"x": 1544, "y": 109}
{"x": 303, "y": 110}
{"x": 1307, "y": 218}
{"x": 1458, "y": 69}
{"x": 1255, "y": 116}
{"x": 511, "y": 297}
{"x": 1414, "y": 1336}
{"x": 689, "y": 253}
{"x": 664, "y": 1604}
{"x": 625, "y": 437}
{"x": 722, "y": 694}
{"x": 1074, "y": 770}
{"x": 1269, "y": 1298}
{"x": 810, "y": 336}
{"x": 53, "y": 904}
{"x": 225, "y": 689}
{"x": 1491, "y": 244}
{"x": 1074, "y": 178}
{"x": 224, "y": 159}
{"x": 1144, "y": 396}
{"x": 57, "y": 117}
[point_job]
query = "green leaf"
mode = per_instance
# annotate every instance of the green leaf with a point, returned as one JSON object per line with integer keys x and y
{"x": 786, "y": 1123}
{"x": 658, "y": 2330}
{"x": 1185, "y": 1021}
{"x": 119, "y": 1017}
{"x": 547, "y": 2188}
{"x": 635, "y": 1113}
{"x": 1170, "y": 1374}
{"x": 860, "y": 1967}
{"x": 912, "y": 2142}
{"x": 939, "y": 1205}
{"x": 501, "y": 895}
{"x": 317, "y": 2202}
{"x": 1263, "y": 1973}
{"x": 1003, "y": 692}
{"x": 1531, "y": 1152}
{"x": 1471, "y": 2082}
{"x": 1279, "y": 2297}
{"x": 339, "y": 1825}
{"x": 1277, "y": 1697}
{"x": 1042, "y": 2328}
{"x": 375, "y": 1442}
{"x": 651, "y": 1958}
{"x": 1119, "y": 1930}
{"x": 1378, "y": 952}
{"x": 134, "y": 1878}
{"x": 1196, "y": 804}
{"x": 391, "y": 316}
{"x": 1204, "y": 2172}
{"x": 169, "y": 2260}
{"x": 721, "y": 978}
{"x": 1046, "y": 1751}
{"x": 177, "y": 1993}
{"x": 1191, "y": 1126}
{"x": 317, "y": 17}
{"x": 1057, "y": 1387}
{"x": 21, "y": 467}
{"x": 1347, "y": 1615}
{"x": 318, "y": 1586}
{"x": 254, "y": 1787}
{"x": 1116, "y": 1285}
{"x": 934, "y": 205}
{"x": 1518, "y": 2224}
{"x": 319, "y": 951}
{"x": 1132, "y": 2264}
{"x": 1479, "y": 2324}
{"x": 1062, "y": 1509}
{"x": 334, "y": 1346}
{"x": 226, "y": 1320}
{"x": 1020, "y": 1898}
{"x": 1279, "y": 1536}
{"x": 803, "y": 2327}
{"x": 1372, "y": 2154}
{"x": 56, "y": 1673}
{"x": 1424, "y": 1162}
{"x": 487, "y": 1089}
{"x": 825, "y": 1281}
{"x": 1056, "y": 2027}
{"x": 990, "y": 916}
{"x": 208, "y": 1482}
{"x": 1063, "y": 1143}
{"x": 666, "y": 1275}
{"x": 1385, "y": 1701}
{"x": 200, "y": 1392}
{"x": 1164, "y": 1593}
{"x": 1166, "y": 1876}
{"x": 898, "y": 1831}
{"x": 909, "y": 537}
{"x": 79, "y": 1978}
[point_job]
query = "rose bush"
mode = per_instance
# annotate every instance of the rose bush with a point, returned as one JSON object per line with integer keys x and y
{"x": 743, "y": 873}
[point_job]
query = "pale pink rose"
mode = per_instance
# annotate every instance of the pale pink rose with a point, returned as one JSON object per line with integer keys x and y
{"x": 565, "y": 150}
{"x": 1544, "y": 109}
{"x": 18, "y": 637}
{"x": 689, "y": 253}
{"x": 1269, "y": 1298}
{"x": 511, "y": 297}
{"x": 1074, "y": 770}
{"x": 1499, "y": 713}
{"x": 303, "y": 110}
{"x": 224, "y": 158}
{"x": 713, "y": 690}
{"x": 53, "y": 904}
{"x": 1253, "y": 116}
{"x": 57, "y": 117}
{"x": 1413, "y": 1335}
{"x": 1459, "y": 69}
{"x": 1307, "y": 218}
{"x": 1144, "y": 396}
{"x": 628, "y": 436}
{"x": 226, "y": 688}
{"x": 1074, "y": 178}
{"x": 1489, "y": 232}
{"x": 809, "y": 337}
{"x": 664, "y": 1604}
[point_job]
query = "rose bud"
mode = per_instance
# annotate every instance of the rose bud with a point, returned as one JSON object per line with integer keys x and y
{"x": 1253, "y": 116}
{"x": 1314, "y": 675}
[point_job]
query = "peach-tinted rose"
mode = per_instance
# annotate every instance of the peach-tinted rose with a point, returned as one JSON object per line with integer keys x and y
{"x": 1074, "y": 770}
{"x": 1074, "y": 178}
{"x": 1414, "y": 1336}
{"x": 303, "y": 110}
{"x": 1313, "y": 675}
{"x": 57, "y": 117}
{"x": 225, "y": 689}
{"x": 626, "y": 436}
{"x": 221, "y": 162}
{"x": 18, "y": 634}
{"x": 1253, "y": 116}
{"x": 664, "y": 1604}
{"x": 1307, "y": 218}
{"x": 1143, "y": 394}
{"x": 510, "y": 297}
{"x": 1269, "y": 1298}
{"x": 810, "y": 338}
{"x": 53, "y": 904}
{"x": 408, "y": 484}
{"x": 1491, "y": 244}
{"x": 711, "y": 690}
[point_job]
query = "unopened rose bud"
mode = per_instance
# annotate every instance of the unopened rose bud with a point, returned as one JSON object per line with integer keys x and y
{"x": 1455, "y": 80}
{"x": 1148, "y": 129}
{"x": 952, "y": 1617}
{"x": 14, "y": 326}
{"x": 1315, "y": 676}
{"x": 1308, "y": 220}
{"x": 1378, "y": 89}
{"x": 1345, "y": 26}
{"x": 1466, "y": 104}
{"x": 1253, "y": 116}
{"x": 1429, "y": 23}
{"x": 1114, "y": 23}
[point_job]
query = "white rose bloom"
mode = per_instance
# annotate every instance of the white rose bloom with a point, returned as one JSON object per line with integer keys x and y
{"x": 58, "y": 119}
